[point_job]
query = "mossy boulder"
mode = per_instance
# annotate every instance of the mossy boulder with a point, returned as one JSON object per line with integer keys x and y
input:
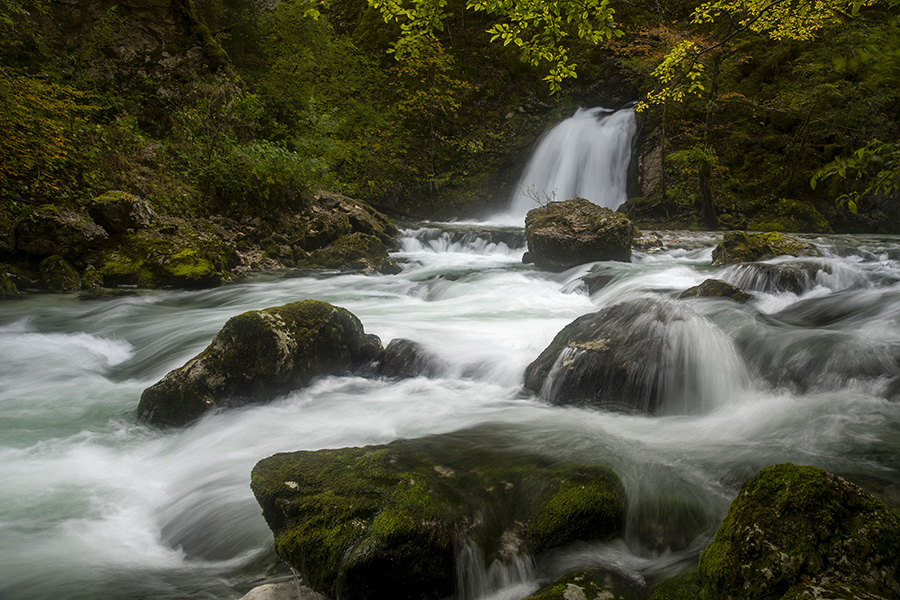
{"x": 387, "y": 521}
{"x": 119, "y": 212}
{"x": 50, "y": 230}
{"x": 259, "y": 355}
{"x": 357, "y": 252}
{"x": 796, "y": 531}
{"x": 590, "y": 584}
{"x": 57, "y": 275}
{"x": 684, "y": 586}
{"x": 172, "y": 253}
{"x": 740, "y": 246}
{"x": 648, "y": 355}
{"x": 7, "y": 284}
{"x": 562, "y": 235}
{"x": 716, "y": 288}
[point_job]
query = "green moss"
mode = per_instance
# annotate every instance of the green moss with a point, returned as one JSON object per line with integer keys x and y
{"x": 579, "y": 510}
{"x": 590, "y": 585}
{"x": 685, "y": 586}
{"x": 7, "y": 285}
{"x": 791, "y": 525}
{"x": 58, "y": 275}
{"x": 740, "y": 246}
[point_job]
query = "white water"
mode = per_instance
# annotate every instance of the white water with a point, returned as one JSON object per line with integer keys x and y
{"x": 586, "y": 156}
{"x": 94, "y": 504}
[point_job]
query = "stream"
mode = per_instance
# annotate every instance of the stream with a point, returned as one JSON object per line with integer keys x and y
{"x": 95, "y": 504}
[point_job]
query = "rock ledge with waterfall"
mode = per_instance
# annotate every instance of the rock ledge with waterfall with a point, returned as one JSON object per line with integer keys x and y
{"x": 401, "y": 520}
{"x": 259, "y": 355}
{"x": 565, "y": 234}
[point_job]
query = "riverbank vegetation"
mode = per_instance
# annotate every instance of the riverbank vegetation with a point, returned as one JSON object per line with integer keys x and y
{"x": 243, "y": 107}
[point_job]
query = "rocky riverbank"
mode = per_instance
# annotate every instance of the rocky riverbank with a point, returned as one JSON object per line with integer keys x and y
{"x": 119, "y": 243}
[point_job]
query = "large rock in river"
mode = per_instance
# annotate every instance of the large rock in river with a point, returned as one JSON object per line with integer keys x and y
{"x": 389, "y": 521}
{"x": 562, "y": 235}
{"x": 647, "y": 355}
{"x": 800, "y": 532}
{"x": 740, "y": 246}
{"x": 259, "y": 355}
{"x": 50, "y": 230}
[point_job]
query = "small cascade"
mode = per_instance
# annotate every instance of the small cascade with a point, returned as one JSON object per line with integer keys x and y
{"x": 507, "y": 579}
{"x": 463, "y": 239}
{"x": 586, "y": 155}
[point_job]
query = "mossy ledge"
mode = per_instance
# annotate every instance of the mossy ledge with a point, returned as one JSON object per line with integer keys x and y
{"x": 386, "y": 521}
{"x": 259, "y": 355}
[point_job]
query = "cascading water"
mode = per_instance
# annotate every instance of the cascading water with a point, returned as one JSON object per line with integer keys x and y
{"x": 586, "y": 155}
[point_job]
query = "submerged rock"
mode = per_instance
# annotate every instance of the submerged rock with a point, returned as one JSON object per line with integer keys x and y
{"x": 647, "y": 355}
{"x": 259, "y": 355}
{"x": 800, "y": 532}
{"x": 387, "y": 521}
{"x": 562, "y": 235}
{"x": 716, "y": 288}
{"x": 795, "y": 277}
{"x": 740, "y": 246}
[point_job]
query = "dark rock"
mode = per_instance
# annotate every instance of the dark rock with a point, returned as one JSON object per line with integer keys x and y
{"x": 118, "y": 212}
{"x": 562, "y": 235}
{"x": 361, "y": 217}
{"x": 795, "y": 277}
{"x": 259, "y": 355}
{"x": 716, "y": 288}
{"x": 796, "y": 532}
{"x": 740, "y": 246}
{"x": 592, "y": 584}
{"x": 648, "y": 355}
{"x": 387, "y": 521}
{"x": 356, "y": 252}
{"x": 51, "y": 230}
{"x": 7, "y": 284}
{"x": 58, "y": 275}
{"x": 599, "y": 277}
{"x": 405, "y": 358}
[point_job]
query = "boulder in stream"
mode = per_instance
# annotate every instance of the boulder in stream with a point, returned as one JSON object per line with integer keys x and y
{"x": 651, "y": 355}
{"x": 405, "y": 358}
{"x": 716, "y": 288}
{"x": 562, "y": 235}
{"x": 740, "y": 246}
{"x": 393, "y": 521}
{"x": 800, "y": 532}
{"x": 259, "y": 355}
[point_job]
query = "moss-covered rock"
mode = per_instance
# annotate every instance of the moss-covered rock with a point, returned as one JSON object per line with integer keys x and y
{"x": 357, "y": 252}
{"x": 173, "y": 253}
{"x": 592, "y": 584}
{"x": 684, "y": 586}
{"x": 118, "y": 211}
{"x": 259, "y": 355}
{"x": 794, "y": 531}
{"x": 50, "y": 230}
{"x": 740, "y": 246}
{"x": 562, "y": 235}
{"x": 7, "y": 285}
{"x": 57, "y": 275}
{"x": 386, "y": 521}
{"x": 716, "y": 288}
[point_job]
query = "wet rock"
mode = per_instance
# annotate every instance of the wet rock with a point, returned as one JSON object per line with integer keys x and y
{"x": 58, "y": 275}
{"x": 801, "y": 532}
{"x": 51, "y": 230}
{"x": 405, "y": 358}
{"x": 387, "y": 521}
{"x": 259, "y": 355}
{"x": 7, "y": 284}
{"x": 591, "y": 584}
{"x": 356, "y": 252}
{"x": 794, "y": 277}
{"x": 647, "y": 355}
{"x": 562, "y": 235}
{"x": 740, "y": 246}
{"x": 599, "y": 277}
{"x": 684, "y": 586}
{"x": 118, "y": 212}
{"x": 288, "y": 590}
{"x": 716, "y": 288}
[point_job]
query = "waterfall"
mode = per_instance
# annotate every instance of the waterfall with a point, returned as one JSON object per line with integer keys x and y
{"x": 586, "y": 155}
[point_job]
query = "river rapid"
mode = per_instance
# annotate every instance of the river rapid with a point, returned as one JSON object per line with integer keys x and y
{"x": 95, "y": 504}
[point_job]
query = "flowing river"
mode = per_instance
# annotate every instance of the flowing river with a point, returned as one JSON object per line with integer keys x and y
{"x": 95, "y": 504}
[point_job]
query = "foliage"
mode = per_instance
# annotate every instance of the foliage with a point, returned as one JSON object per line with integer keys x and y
{"x": 877, "y": 164}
